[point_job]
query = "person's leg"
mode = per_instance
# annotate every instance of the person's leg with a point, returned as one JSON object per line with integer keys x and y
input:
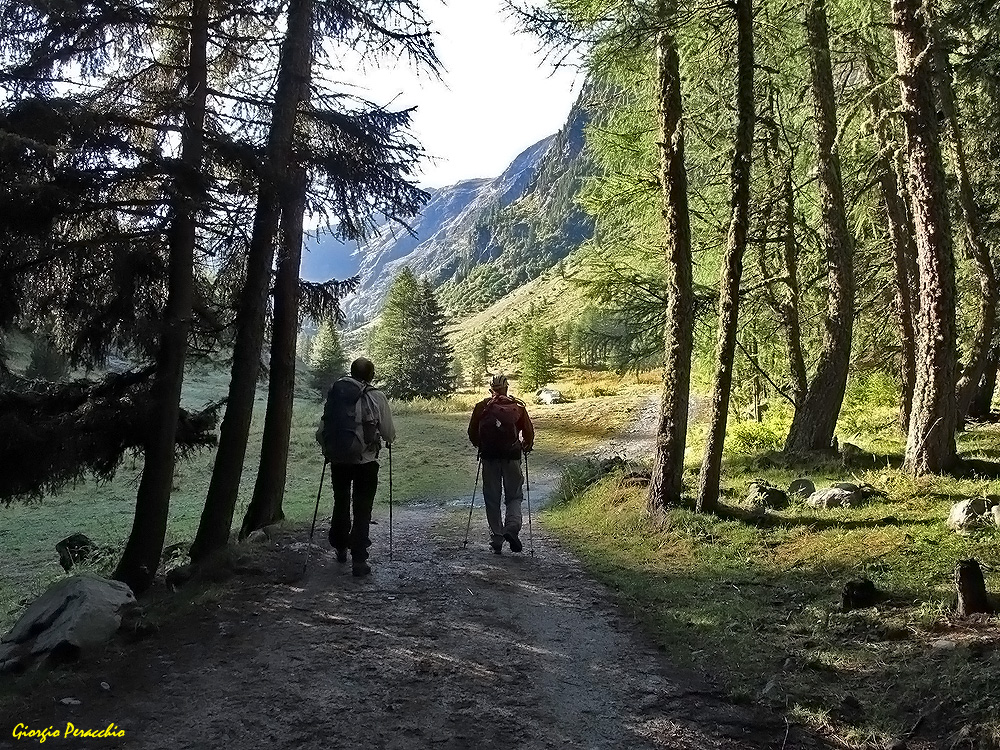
{"x": 340, "y": 524}
{"x": 365, "y": 486}
{"x": 512, "y": 481}
{"x": 492, "y": 484}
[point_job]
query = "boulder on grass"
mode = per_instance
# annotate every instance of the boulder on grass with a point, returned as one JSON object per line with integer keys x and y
{"x": 801, "y": 487}
{"x": 73, "y": 549}
{"x": 763, "y": 496}
{"x": 73, "y": 616}
{"x": 995, "y": 514}
{"x": 834, "y": 497}
{"x": 968, "y": 514}
{"x": 548, "y": 396}
{"x": 849, "y": 486}
{"x": 860, "y": 593}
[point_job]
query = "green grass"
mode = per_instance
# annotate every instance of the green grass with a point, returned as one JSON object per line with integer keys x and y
{"x": 759, "y": 606}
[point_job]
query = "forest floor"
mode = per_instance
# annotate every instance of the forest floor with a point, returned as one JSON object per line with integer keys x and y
{"x": 443, "y": 646}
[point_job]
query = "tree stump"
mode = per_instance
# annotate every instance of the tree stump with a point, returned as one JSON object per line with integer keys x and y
{"x": 972, "y": 596}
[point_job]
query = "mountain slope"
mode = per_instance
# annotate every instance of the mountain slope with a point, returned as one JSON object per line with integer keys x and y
{"x": 480, "y": 239}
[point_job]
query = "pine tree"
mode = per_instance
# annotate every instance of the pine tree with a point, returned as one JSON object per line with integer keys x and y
{"x": 432, "y": 376}
{"x": 412, "y": 357}
{"x": 326, "y": 361}
{"x": 359, "y": 159}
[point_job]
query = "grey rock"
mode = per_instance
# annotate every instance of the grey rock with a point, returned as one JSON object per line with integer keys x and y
{"x": 74, "y": 615}
{"x": 801, "y": 487}
{"x": 257, "y": 536}
{"x": 968, "y": 514}
{"x": 995, "y": 515}
{"x": 73, "y": 549}
{"x": 849, "y": 486}
{"x": 761, "y": 495}
{"x": 834, "y": 497}
{"x": 549, "y": 396}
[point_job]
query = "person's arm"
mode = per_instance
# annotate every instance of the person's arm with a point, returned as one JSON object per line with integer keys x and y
{"x": 527, "y": 431}
{"x": 386, "y": 428}
{"x": 477, "y": 414}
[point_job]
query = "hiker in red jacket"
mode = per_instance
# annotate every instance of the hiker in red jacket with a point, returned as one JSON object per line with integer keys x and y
{"x": 501, "y": 429}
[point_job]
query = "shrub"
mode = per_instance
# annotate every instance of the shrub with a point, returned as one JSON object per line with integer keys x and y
{"x": 752, "y": 437}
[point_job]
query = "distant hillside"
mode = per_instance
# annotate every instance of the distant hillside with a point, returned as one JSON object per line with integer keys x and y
{"x": 480, "y": 239}
{"x": 551, "y": 297}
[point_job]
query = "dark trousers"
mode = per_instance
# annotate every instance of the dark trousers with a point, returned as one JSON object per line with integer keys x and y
{"x": 354, "y": 488}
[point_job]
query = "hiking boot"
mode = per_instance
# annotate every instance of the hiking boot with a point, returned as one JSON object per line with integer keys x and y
{"x": 514, "y": 542}
{"x": 342, "y": 555}
{"x": 497, "y": 547}
{"x": 360, "y": 568}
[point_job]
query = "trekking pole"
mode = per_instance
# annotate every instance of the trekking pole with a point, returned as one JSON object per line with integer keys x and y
{"x": 468, "y": 526}
{"x": 319, "y": 493}
{"x": 527, "y": 487}
{"x": 390, "y": 502}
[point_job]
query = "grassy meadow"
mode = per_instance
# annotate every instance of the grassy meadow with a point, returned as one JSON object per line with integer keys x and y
{"x": 758, "y": 606}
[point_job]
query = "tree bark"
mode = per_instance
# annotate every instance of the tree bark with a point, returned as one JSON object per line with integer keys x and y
{"x": 732, "y": 273}
{"x": 815, "y": 421}
{"x": 790, "y": 308}
{"x": 294, "y": 69}
{"x": 974, "y": 242}
{"x": 982, "y": 402}
{"x": 901, "y": 240}
{"x": 667, "y": 481}
{"x": 141, "y": 556}
{"x": 265, "y": 507}
{"x": 971, "y": 586}
{"x": 930, "y": 443}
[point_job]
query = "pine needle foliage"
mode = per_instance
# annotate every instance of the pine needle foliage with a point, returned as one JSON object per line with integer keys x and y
{"x": 412, "y": 357}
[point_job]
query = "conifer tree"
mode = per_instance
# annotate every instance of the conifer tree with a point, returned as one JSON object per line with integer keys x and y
{"x": 537, "y": 355}
{"x": 433, "y": 376}
{"x": 363, "y": 160}
{"x": 412, "y": 357}
{"x": 327, "y": 361}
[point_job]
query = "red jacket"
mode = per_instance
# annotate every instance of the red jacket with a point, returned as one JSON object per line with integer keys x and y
{"x": 526, "y": 431}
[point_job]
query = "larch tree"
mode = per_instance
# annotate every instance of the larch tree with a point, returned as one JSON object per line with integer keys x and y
{"x": 930, "y": 443}
{"x": 815, "y": 420}
{"x": 667, "y": 481}
{"x": 732, "y": 271}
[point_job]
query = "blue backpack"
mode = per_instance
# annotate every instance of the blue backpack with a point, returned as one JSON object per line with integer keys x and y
{"x": 346, "y": 436}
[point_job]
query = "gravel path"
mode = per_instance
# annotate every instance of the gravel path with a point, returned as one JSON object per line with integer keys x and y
{"x": 443, "y": 647}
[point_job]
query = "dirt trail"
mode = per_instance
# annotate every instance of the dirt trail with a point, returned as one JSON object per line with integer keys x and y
{"x": 442, "y": 647}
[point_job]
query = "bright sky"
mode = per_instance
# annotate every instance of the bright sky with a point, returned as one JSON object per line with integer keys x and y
{"x": 497, "y": 95}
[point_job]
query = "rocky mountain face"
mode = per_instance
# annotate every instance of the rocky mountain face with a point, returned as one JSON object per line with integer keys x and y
{"x": 480, "y": 239}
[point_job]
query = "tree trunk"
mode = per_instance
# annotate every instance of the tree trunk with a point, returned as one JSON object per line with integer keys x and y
{"x": 971, "y": 587}
{"x": 141, "y": 556}
{"x": 790, "y": 308}
{"x": 732, "y": 273}
{"x": 815, "y": 422}
{"x": 974, "y": 241}
{"x": 294, "y": 69}
{"x": 982, "y": 402}
{"x": 930, "y": 443}
{"x": 265, "y": 507}
{"x": 901, "y": 239}
{"x": 667, "y": 481}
